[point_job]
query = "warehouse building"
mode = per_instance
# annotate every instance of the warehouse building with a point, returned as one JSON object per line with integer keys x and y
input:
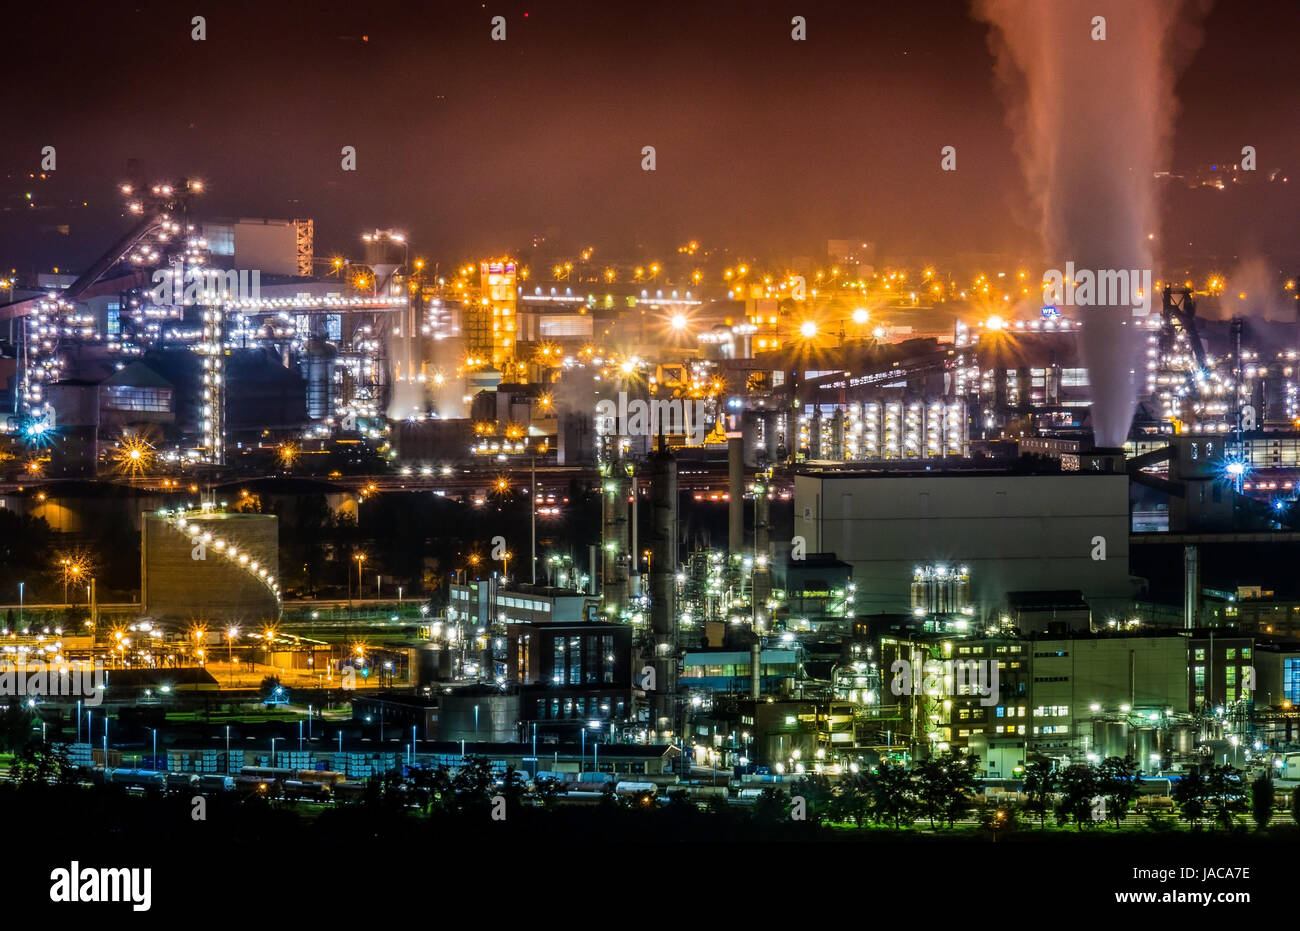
{"x": 1011, "y": 533}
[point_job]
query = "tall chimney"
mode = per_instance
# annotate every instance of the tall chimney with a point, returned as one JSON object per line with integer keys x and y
{"x": 762, "y": 578}
{"x": 663, "y": 583}
{"x": 736, "y": 495}
{"x": 1191, "y": 586}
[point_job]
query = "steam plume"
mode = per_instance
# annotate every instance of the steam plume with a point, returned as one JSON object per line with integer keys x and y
{"x": 1093, "y": 118}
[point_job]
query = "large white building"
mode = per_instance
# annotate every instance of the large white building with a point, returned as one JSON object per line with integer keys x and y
{"x": 1011, "y": 532}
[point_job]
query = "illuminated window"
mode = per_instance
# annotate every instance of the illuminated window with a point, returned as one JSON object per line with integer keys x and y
{"x": 127, "y": 398}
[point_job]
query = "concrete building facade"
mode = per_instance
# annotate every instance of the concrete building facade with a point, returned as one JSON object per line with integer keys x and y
{"x": 1013, "y": 532}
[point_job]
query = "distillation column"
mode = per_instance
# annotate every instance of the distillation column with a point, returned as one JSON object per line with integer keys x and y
{"x": 762, "y": 577}
{"x": 615, "y": 527}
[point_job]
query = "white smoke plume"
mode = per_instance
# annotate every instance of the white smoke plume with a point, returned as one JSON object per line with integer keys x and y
{"x": 1093, "y": 119}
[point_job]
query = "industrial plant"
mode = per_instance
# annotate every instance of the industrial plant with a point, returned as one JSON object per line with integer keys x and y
{"x": 467, "y": 474}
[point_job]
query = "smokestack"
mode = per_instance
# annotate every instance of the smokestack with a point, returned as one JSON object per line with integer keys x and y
{"x": 755, "y": 659}
{"x": 663, "y": 582}
{"x": 1191, "y": 586}
{"x": 769, "y": 436}
{"x": 634, "y": 549}
{"x": 762, "y": 578}
{"x": 735, "y": 495}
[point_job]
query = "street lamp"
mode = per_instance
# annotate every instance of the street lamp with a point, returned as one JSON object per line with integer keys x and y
{"x": 361, "y": 559}
{"x": 231, "y": 633}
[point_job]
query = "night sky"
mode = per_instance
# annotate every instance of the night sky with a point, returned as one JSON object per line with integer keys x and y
{"x": 763, "y": 144}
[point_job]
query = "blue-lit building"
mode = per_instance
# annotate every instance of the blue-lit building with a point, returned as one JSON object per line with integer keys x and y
{"x": 729, "y": 671}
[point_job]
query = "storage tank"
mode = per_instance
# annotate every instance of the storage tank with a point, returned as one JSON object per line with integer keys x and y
{"x": 1182, "y": 738}
{"x": 433, "y": 664}
{"x": 182, "y": 780}
{"x": 149, "y": 778}
{"x": 211, "y": 564}
{"x": 479, "y": 717}
{"x": 1110, "y": 738}
{"x": 1144, "y": 743}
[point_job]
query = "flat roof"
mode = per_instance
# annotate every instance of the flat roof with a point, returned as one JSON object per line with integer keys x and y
{"x": 738, "y": 657}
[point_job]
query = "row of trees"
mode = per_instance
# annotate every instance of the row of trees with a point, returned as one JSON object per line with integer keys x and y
{"x": 943, "y": 789}
{"x": 940, "y": 789}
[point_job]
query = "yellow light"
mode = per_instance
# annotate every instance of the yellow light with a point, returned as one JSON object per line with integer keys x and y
{"x": 994, "y": 323}
{"x": 133, "y": 455}
{"x": 808, "y": 329}
{"x": 860, "y": 316}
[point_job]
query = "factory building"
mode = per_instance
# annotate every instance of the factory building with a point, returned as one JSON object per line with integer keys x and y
{"x": 1016, "y": 533}
{"x": 1224, "y": 672}
{"x": 733, "y": 671}
{"x": 274, "y": 247}
{"x": 1075, "y": 696}
{"x": 1081, "y": 685}
{"x": 487, "y": 601}
{"x": 572, "y": 676}
{"x": 819, "y": 592}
